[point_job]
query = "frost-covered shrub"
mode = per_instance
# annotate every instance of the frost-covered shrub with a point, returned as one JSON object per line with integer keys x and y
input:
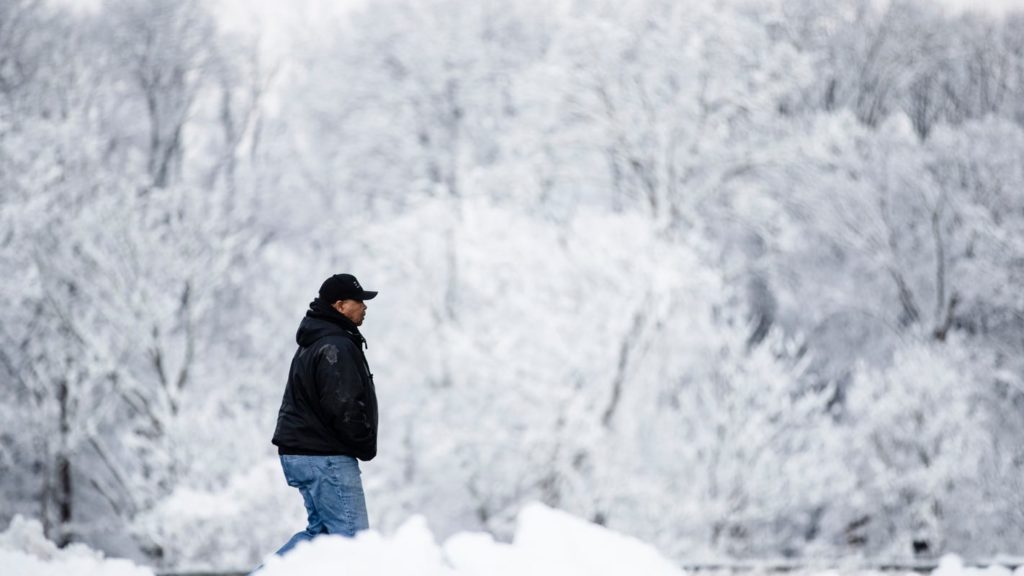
{"x": 920, "y": 442}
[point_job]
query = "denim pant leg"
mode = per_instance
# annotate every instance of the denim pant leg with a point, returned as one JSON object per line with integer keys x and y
{"x": 339, "y": 497}
{"x": 299, "y": 471}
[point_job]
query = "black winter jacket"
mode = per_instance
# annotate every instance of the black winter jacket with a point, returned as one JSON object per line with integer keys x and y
{"x": 329, "y": 405}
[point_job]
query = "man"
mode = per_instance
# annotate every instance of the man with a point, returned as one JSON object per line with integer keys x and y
{"x": 328, "y": 416}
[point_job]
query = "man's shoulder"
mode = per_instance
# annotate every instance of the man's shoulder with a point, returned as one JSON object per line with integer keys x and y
{"x": 331, "y": 344}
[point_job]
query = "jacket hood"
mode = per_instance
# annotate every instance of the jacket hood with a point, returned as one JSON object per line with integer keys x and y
{"x": 322, "y": 320}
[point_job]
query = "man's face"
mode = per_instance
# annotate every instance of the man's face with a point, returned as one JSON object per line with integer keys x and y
{"x": 354, "y": 310}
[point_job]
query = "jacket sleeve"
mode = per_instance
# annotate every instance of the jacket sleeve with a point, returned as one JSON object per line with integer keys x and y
{"x": 342, "y": 393}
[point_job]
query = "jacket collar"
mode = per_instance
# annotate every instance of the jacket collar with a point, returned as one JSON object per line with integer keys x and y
{"x": 324, "y": 311}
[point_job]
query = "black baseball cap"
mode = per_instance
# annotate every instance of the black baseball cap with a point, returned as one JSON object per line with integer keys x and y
{"x": 344, "y": 287}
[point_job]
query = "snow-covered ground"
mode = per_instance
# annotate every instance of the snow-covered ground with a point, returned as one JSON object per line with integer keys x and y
{"x": 547, "y": 542}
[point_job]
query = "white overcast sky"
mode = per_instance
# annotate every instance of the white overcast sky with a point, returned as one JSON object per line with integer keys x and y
{"x": 999, "y": 6}
{"x": 277, "y": 19}
{"x": 281, "y": 20}
{"x": 275, "y": 12}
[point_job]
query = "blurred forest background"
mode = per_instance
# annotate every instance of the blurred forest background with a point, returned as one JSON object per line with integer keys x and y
{"x": 740, "y": 278}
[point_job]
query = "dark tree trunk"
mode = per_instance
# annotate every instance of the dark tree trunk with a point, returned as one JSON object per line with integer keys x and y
{"x": 64, "y": 488}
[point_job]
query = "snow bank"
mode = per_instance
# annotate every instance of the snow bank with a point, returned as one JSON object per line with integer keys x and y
{"x": 550, "y": 541}
{"x": 25, "y": 551}
{"x": 953, "y": 565}
{"x": 546, "y": 542}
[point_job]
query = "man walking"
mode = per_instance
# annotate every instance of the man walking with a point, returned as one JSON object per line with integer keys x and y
{"x": 328, "y": 416}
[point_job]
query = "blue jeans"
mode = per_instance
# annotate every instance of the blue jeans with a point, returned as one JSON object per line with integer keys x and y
{"x": 332, "y": 490}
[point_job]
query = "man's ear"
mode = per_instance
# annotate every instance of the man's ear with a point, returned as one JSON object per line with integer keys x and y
{"x": 337, "y": 305}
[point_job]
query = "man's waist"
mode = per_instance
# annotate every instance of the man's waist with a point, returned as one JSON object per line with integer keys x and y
{"x": 293, "y": 451}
